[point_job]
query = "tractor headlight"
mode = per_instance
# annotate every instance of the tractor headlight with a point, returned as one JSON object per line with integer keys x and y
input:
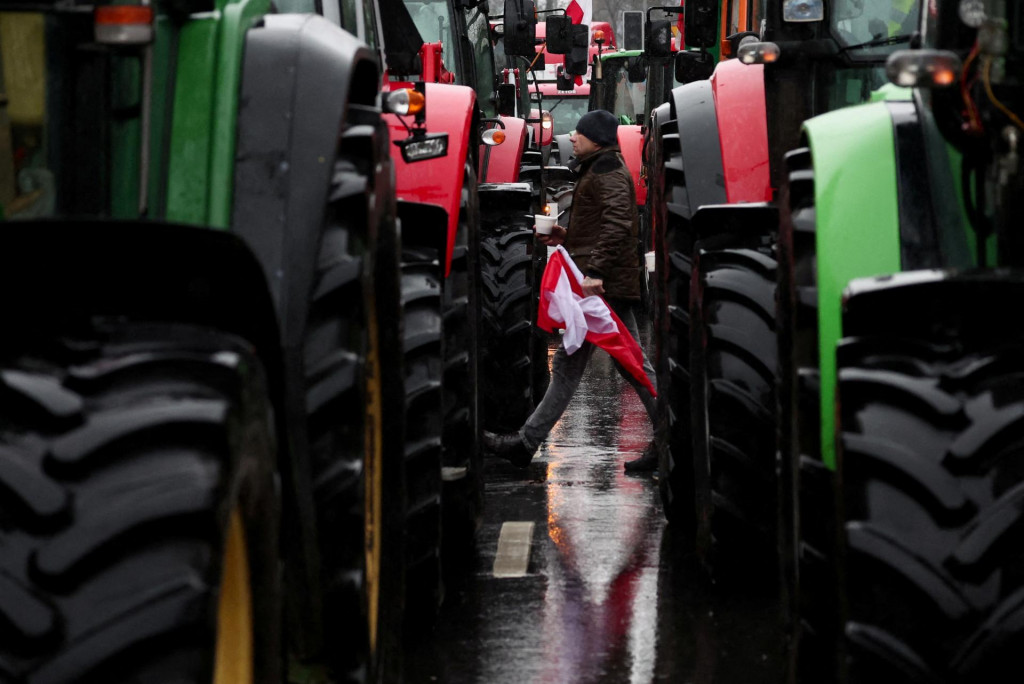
{"x": 423, "y": 146}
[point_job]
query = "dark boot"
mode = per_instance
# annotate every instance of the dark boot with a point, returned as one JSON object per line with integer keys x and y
{"x": 647, "y": 463}
{"x": 509, "y": 447}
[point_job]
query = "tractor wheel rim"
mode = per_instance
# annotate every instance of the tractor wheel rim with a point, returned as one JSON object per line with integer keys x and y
{"x": 234, "y": 650}
{"x": 373, "y": 478}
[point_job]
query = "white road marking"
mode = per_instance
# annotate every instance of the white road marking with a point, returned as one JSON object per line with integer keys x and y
{"x": 513, "y": 555}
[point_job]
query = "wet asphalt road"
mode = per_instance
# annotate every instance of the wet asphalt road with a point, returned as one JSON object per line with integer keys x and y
{"x": 610, "y": 594}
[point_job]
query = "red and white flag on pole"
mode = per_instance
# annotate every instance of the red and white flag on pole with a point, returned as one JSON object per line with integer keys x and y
{"x": 562, "y": 305}
{"x": 581, "y": 11}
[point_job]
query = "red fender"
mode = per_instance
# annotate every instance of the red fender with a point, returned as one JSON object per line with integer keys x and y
{"x": 504, "y": 160}
{"x": 437, "y": 181}
{"x": 631, "y": 142}
{"x": 743, "y": 130}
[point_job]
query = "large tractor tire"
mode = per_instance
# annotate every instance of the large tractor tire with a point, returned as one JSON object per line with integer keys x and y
{"x": 357, "y": 493}
{"x": 733, "y": 370}
{"x": 422, "y": 336}
{"x": 930, "y": 472}
{"x": 507, "y": 339}
{"x": 807, "y": 523}
{"x": 140, "y": 534}
{"x": 463, "y": 489}
{"x": 673, "y": 238}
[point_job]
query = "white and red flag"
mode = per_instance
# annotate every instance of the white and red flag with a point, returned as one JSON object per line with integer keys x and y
{"x": 581, "y": 11}
{"x": 562, "y": 305}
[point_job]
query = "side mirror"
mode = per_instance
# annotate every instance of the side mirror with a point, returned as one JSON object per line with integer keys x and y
{"x": 659, "y": 39}
{"x": 576, "y": 60}
{"x": 520, "y": 28}
{"x": 507, "y": 99}
{"x": 701, "y": 22}
{"x": 564, "y": 81}
{"x": 632, "y": 30}
{"x": 636, "y": 69}
{"x": 694, "y": 66}
{"x": 558, "y": 34}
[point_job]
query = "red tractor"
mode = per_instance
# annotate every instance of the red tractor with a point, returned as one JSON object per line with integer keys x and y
{"x": 467, "y": 236}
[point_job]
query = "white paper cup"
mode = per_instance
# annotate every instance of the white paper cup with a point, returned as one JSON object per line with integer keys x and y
{"x": 544, "y": 223}
{"x": 649, "y": 259}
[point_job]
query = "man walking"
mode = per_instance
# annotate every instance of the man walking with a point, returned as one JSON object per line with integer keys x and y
{"x": 601, "y": 239}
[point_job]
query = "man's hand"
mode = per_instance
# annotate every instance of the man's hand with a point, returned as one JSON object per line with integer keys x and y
{"x": 592, "y": 286}
{"x": 556, "y": 237}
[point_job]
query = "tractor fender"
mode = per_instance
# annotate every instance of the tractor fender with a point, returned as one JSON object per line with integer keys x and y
{"x": 424, "y": 226}
{"x": 743, "y": 130}
{"x": 303, "y": 80}
{"x": 308, "y": 92}
{"x": 631, "y": 143}
{"x": 857, "y": 222}
{"x": 59, "y": 273}
{"x": 450, "y": 108}
{"x": 504, "y": 204}
{"x": 500, "y": 163}
{"x": 966, "y": 309}
{"x": 697, "y": 123}
{"x": 736, "y": 225}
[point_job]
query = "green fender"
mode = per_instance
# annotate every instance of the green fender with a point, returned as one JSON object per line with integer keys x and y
{"x": 205, "y": 105}
{"x": 858, "y": 230}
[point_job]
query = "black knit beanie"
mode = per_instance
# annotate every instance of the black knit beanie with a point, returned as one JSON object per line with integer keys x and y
{"x": 600, "y": 126}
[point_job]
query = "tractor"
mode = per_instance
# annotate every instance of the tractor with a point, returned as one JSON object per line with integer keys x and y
{"x": 900, "y": 374}
{"x": 720, "y": 145}
{"x": 508, "y": 265}
{"x": 204, "y": 444}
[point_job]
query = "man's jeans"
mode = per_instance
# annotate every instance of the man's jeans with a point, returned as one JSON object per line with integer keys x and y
{"x": 566, "y": 373}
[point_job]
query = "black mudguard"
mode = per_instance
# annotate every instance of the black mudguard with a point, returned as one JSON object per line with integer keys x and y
{"x": 697, "y": 120}
{"x": 505, "y": 203}
{"x": 307, "y": 88}
{"x": 740, "y": 225}
{"x": 304, "y": 81}
{"x": 58, "y": 274}
{"x": 424, "y": 226}
{"x": 969, "y": 309}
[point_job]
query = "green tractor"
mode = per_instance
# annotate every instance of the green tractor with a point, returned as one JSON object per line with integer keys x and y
{"x": 718, "y": 160}
{"x": 901, "y": 380}
{"x": 202, "y": 383}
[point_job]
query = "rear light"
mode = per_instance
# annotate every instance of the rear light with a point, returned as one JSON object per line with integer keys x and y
{"x": 803, "y": 10}
{"x": 493, "y": 136}
{"x": 404, "y": 101}
{"x": 124, "y": 24}
{"x": 923, "y": 68}
{"x": 759, "y": 53}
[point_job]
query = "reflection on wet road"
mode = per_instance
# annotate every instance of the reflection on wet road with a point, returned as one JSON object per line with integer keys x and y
{"x": 609, "y": 594}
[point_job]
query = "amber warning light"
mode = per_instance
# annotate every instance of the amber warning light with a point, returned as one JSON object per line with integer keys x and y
{"x": 493, "y": 136}
{"x": 404, "y": 101}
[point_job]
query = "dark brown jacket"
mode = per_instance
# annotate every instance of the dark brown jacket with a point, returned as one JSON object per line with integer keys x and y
{"x": 602, "y": 231}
